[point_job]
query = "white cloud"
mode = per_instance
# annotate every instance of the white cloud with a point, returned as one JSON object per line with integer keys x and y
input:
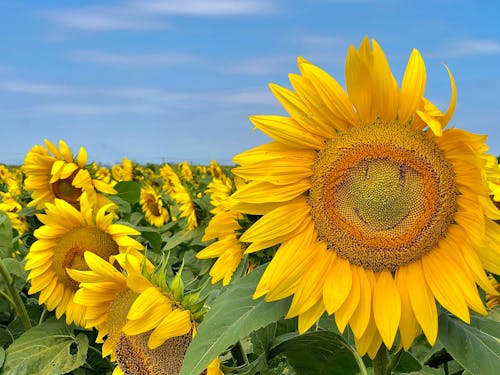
{"x": 470, "y": 47}
{"x": 106, "y": 19}
{"x": 131, "y": 60}
{"x": 150, "y": 14}
{"x": 208, "y": 8}
{"x": 89, "y": 108}
{"x": 36, "y": 88}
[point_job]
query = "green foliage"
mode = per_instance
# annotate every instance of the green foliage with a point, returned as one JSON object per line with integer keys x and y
{"x": 321, "y": 353}
{"x": 5, "y": 236}
{"x": 50, "y": 348}
{"x": 233, "y": 315}
{"x": 475, "y": 350}
{"x": 129, "y": 191}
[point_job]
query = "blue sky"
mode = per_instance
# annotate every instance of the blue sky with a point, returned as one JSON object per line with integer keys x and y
{"x": 167, "y": 81}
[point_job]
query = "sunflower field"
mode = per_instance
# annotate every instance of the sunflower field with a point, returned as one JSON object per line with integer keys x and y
{"x": 362, "y": 239}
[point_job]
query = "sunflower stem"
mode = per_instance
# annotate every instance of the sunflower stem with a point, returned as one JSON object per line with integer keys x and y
{"x": 393, "y": 361}
{"x": 16, "y": 301}
{"x": 380, "y": 361}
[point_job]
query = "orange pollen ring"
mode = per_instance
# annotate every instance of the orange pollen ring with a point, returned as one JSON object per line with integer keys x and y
{"x": 382, "y": 195}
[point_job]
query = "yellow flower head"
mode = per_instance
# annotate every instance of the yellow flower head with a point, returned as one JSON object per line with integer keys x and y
{"x": 153, "y": 206}
{"x": 11, "y": 206}
{"x": 379, "y": 210}
{"x": 123, "y": 171}
{"x": 186, "y": 171}
{"x": 62, "y": 242}
{"x": 53, "y": 172}
{"x": 127, "y": 303}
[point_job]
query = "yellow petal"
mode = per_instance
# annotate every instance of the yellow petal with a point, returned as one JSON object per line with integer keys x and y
{"x": 332, "y": 94}
{"x": 337, "y": 285}
{"x": 309, "y": 290}
{"x": 346, "y": 311}
{"x": 265, "y": 192}
{"x": 177, "y": 323}
{"x": 421, "y": 298}
{"x": 385, "y": 96}
{"x": 431, "y": 122}
{"x": 311, "y": 316}
{"x": 359, "y": 85}
{"x": 413, "y": 86}
{"x": 361, "y": 316}
{"x": 453, "y": 101}
{"x": 299, "y": 111}
{"x": 442, "y": 285}
{"x": 282, "y": 171}
{"x": 287, "y": 131}
{"x": 386, "y": 307}
{"x": 279, "y": 222}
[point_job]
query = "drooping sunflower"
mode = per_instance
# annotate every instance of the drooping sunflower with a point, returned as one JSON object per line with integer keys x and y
{"x": 53, "y": 172}
{"x": 145, "y": 326}
{"x": 153, "y": 206}
{"x": 379, "y": 210}
{"x": 66, "y": 235}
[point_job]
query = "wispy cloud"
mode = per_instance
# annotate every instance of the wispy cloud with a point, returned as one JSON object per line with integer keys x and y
{"x": 206, "y": 8}
{"x": 36, "y": 88}
{"x": 88, "y": 108}
{"x": 106, "y": 19}
{"x": 131, "y": 60}
{"x": 470, "y": 47}
{"x": 86, "y": 100}
{"x": 150, "y": 14}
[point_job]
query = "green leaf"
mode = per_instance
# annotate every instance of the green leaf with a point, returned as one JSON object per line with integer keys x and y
{"x": 473, "y": 349}
{"x": 178, "y": 238}
{"x": 129, "y": 191}
{"x": 2, "y": 356}
{"x": 154, "y": 239}
{"x": 233, "y": 315}
{"x": 407, "y": 363}
{"x": 50, "y": 349}
{"x": 319, "y": 352}
{"x": 122, "y": 204}
{"x": 5, "y": 235}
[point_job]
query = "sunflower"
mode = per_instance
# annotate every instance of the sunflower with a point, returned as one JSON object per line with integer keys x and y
{"x": 61, "y": 244}
{"x": 152, "y": 206}
{"x": 123, "y": 171}
{"x": 140, "y": 320}
{"x": 224, "y": 227}
{"x": 379, "y": 210}
{"x": 11, "y": 207}
{"x": 186, "y": 171}
{"x": 53, "y": 172}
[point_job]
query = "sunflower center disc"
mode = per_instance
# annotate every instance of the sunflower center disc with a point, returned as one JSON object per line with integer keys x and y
{"x": 64, "y": 189}
{"x": 153, "y": 206}
{"x": 71, "y": 247}
{"x": 382, "y": 195}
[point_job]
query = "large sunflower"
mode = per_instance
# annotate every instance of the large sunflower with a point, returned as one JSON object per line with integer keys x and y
{"x": 61, "y": 244}
{"x": 53, "y": 172}
{"x": 144, "y": 325}
{"x": 378, "y": 209}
